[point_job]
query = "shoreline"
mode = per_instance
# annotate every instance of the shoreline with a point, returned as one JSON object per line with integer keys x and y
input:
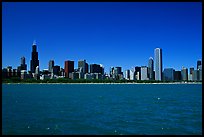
{"x": 111, "y": 83}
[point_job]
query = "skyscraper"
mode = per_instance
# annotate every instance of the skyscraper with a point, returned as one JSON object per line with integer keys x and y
{"x": 144, "y": 73}
{"x": 68, "y": 67}
{"x": 184, "y": 73}
{"x": 51, "y": 65}
{"x": 198, "y": 63}
{"x": 34, "y": 60}
{"x": 96, "y": 68}
{"x": 132, "y": 74}
{"x": 23, "y": 65}
{"x": 86, "y": 68}
{"x": 56, "y": 70}
{"x": 127, "y": 74}
{"x": 117, "y": 70}
{"x": 168, "y": 74}
{"x": 195, "y": 76}
{"x": 191, "y": 70}
{"x": 137, "y": 73}
{"x": 151, "y": 68}
{"x": 82, "y": 65}
{"x": 22, "y": 60}
{"x": 158, "y": 63}
{"x": 177, "y": 75}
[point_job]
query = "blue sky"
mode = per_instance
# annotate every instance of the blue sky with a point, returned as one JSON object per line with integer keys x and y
{"x": 113, "y": 34}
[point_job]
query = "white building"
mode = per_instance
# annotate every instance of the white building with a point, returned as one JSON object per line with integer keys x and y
{"x": 132, "y": 74}
{"x": 127, "y": 74}
{"x": 138, "y": 76}
{"x": 158, "y": 63}
{"x": 190, "y": 77}
{"x": 45, "y": 77}
{"x": 144, "y": 75}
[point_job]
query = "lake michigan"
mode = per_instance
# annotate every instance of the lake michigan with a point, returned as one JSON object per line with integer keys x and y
{"x": 102, "y": 109}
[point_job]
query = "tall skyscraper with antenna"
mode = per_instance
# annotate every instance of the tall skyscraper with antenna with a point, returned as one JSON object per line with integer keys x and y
{"x": 34, "y": 59}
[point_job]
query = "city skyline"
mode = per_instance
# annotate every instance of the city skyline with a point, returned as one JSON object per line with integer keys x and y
{"x": 109, "y": 47}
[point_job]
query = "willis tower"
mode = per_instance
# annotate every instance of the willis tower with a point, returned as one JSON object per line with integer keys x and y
{"x": 34, "y": 60}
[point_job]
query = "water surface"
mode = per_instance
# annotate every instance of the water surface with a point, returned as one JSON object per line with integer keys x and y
{"x": 43, "y": 109}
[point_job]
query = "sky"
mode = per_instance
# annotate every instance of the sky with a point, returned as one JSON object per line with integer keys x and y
{"x": 114, "y": 34}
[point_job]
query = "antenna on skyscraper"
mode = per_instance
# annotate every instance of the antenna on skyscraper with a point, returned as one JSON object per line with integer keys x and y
{"x": 34, "y": 42}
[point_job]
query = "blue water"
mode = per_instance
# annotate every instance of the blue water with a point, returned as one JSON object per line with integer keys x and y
{"x": 59, "y": 109}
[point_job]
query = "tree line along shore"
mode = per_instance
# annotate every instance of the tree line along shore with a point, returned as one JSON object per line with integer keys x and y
{"x": 67, "y": 80}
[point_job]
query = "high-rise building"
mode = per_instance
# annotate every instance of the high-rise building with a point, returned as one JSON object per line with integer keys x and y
{"x": 177, "y": 75}
{"x": 184, "y": 74}
{"x": 200, "y": 75}
{"x": 199, "y": 63}
{"x": 4, "y": 73}
{"x": 111, "y": 71}
{"x": 158, "y": 63}
{"x": 62, "y": 73}
{"x": 51, "y": 65}
{"x": 117, "y": 70}
{"x": 9, "y": 71}
{"x": 68, "y": 67}
{"x": 127, "y": 74}
{"x": 195, "y": 75}
{"x": 34, "y": 60}
{"x": 96, "y": 68}
{"x": 190, "y": 77}
{"x": 23, "y": 65}
{"x": 132, "y": 74}
{"x": 102, "y": 69}
{"x": 168, "y": 74}
{"x": 86, "y": 68}
{"x": 191, "y": 70}
{"x": 117, "y": 73}
{"x": 200, "y": 72}
{"x": 82, "y": 65}
{"x": 56, "y": 70}
{"x": 144, "y": 75}
{"x": 37, "y": 70}
{"x": 151, "y": 68}
{"x": 137, "y": 73}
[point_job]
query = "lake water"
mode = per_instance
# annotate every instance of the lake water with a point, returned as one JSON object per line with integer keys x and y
{"x": 101, "y": 109}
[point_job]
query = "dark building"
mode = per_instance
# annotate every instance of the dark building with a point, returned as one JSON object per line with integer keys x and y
{"x": 168, "y": 74}
{"x": 138, "y": 69}
{"x": 23, "y": 65}
{"x": 151, "y": 68}
{"x": 4, "y": 73}
{"x": 68, "y": 67}
{"x": 9, "y": 71}
{"x": 19, "y": 71}
{"x": 95, "y": 68}
{"x": 56, "y": 70}
{"x": 51, "y": 65}
{"x": 45, "y": 72}
{"x": 198, "y": 63}
{"x": 86, "y": 68}
{"x": 14, "y": 73}
{"x": 117, "y": 70}
{"x": 34, "y": 60}
{"x": 177, "y": 75}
